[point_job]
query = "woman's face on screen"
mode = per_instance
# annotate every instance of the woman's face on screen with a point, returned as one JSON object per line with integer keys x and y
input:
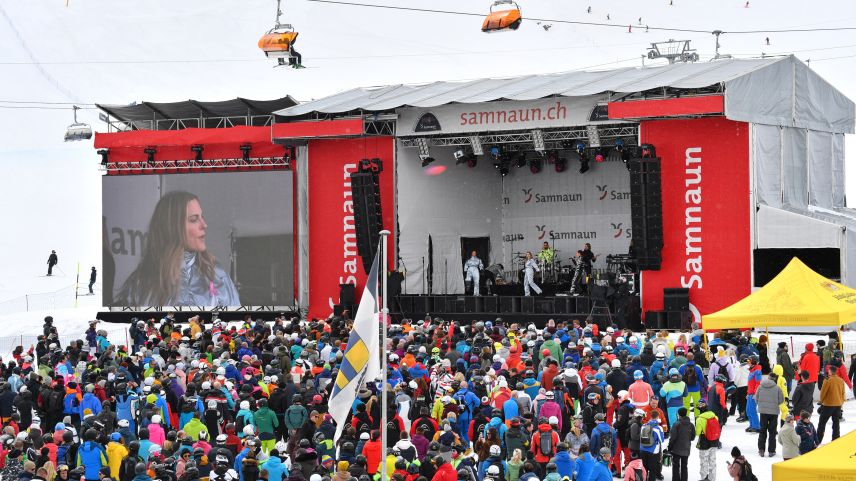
{"x": 194, "y": 228}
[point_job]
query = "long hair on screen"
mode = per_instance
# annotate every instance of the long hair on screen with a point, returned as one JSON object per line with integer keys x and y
{"x": 156, "y": 280}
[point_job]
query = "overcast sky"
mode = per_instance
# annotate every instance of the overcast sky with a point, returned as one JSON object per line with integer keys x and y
{"x": 166, "y": 50}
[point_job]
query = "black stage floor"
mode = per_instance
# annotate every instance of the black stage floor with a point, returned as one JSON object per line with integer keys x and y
{"x": 512, "y": 308}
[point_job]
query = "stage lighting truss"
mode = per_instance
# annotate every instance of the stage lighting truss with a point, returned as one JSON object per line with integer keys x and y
{"x": 525, "y": 140}
{"x": 191, "y": 165}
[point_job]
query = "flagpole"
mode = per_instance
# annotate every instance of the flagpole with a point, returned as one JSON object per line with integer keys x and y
{"x": 384, "y": 314}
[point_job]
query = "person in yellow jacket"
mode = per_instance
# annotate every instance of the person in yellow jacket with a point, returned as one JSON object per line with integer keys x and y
{"x": 779, "y": 371}
{"x": 116, "y": 452}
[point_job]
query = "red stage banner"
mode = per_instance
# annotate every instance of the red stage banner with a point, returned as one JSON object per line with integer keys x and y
{"x": 641, "y": 109}
{"x": 322, "y": 128}
{"x": 333, "y": 257}
{"x": 706, "y": 223}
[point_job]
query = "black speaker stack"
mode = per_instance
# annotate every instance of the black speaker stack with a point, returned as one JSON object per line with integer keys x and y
{"x": 365, "y": 187}
{"x": 676, "y": 313}
{"x": 646, "y": 209}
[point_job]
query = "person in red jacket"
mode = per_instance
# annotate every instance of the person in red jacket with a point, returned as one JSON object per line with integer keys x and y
{"x": 544, "y": 453}
{"x": 810, "y": 361}
{"x": 445, "y": 471}
{"x": 372, "y": 452}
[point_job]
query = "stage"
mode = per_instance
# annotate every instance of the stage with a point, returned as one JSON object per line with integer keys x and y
{"x": 518, "y": 308}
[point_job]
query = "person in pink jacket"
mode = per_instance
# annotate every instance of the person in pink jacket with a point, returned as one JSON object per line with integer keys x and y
{"x": 551, "y": 408}
{"x": 640, "y": 392}
{"x": 156, "y": 432}
{"x": 632, "y": 467}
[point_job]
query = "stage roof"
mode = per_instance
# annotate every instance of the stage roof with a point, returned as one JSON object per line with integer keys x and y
{"x": 195, "y": 109}
{"x": 775, "y": 91}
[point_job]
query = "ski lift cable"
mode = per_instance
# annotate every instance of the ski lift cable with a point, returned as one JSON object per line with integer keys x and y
{"x": 578, "y": 22}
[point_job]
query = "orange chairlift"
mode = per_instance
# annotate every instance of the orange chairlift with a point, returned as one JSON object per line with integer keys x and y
{"x": 504, "y": 19}
{"x": 279, "y": 42}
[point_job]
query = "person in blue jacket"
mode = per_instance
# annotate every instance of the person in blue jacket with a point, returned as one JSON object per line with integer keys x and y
{"x": 91, "y": 456}
{"x": 125, "y": 402}
{"x": 468, "y": 402}
{"x": 584, "y": 464}
{"x": 563, "y": 461}
{"x": 651, "y": 452}
{"x": 275, "y": 467}
{"x": 145, "y": 444}
{"x": 239, "y": 461}
{"x": 603, "y": 435}
{"x": 90, "y": 402}
{"x": 601, "y": 471}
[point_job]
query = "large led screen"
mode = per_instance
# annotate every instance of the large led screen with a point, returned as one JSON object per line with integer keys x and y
{"x": 201, "y": 240}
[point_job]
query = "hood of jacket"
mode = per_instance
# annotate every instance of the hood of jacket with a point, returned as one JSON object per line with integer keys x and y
{"x": 809, "y": 347}
{"x": 778, "y": 370}
{"x": 544, "y": 427}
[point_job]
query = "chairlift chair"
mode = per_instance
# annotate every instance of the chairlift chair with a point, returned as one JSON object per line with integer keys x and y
{"x": 502, "y": 20}
{"x": 278, "y": 42}
{"x": 77, "y": 130}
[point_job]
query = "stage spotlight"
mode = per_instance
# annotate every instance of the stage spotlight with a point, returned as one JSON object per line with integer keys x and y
{"x": 462, "y": 157}
{"x": 197, "y": 149}
{"x": 521, "y": 160}
{"x": 647, "y": 151}
{"x": 560, "y": 164}
{"x": 150, "y": 154}
{"x": 495, "y": 152}
{"x": 598, "y": 156}
{"x": 619, "y": 145}
{"x": 105, "y": 156}
{"x": 245, "y": 152}
{"x": 535, "y": 165}
{"x": 503, "y": 169}
{"x": 580, "y": 148}
{"x": 426, "y": 161}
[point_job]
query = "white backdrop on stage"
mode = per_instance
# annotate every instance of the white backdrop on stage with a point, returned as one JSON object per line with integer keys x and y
{"x": 447, "y": 201}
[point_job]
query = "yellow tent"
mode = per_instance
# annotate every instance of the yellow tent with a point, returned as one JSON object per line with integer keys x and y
{"x": 833, "y": 461}
{"x": 798, "y": 296}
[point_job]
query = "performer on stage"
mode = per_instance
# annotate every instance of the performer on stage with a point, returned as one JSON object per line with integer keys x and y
{"x": 471, "y": 272}
{"x": 547, "y": 254}
{"x": 587, "y": 257}
{"x": 529, "y": 270}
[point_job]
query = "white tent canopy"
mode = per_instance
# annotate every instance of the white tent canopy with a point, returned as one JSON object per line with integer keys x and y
{"x": 776, "y": 91}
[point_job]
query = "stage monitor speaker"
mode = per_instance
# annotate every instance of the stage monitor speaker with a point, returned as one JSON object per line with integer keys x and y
{"x": 490, "y": 304}
{"x": 347, "y": 294}
{"x": 678, "y": 320}
{"x": 506, "y": 304}
{"x": 528, "y": 305}
{"x": 368, "y": 223}
{"x": 460, "y": 304}
{"x": 646, "y": 211}
{"x": 655, "y": 320}
{"x": 676, "y": 299}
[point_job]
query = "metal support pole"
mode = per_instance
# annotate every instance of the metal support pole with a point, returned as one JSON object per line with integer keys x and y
{"x": 383, "y": 319}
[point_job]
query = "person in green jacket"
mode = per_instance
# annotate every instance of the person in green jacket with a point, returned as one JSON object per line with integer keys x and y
{"x": 266, "y": 424}
{"x": 194, "y": 427}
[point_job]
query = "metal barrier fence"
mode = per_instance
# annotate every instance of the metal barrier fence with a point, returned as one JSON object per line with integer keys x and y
{"x": 43, "y": 301}
{"x": 116, "y": 334}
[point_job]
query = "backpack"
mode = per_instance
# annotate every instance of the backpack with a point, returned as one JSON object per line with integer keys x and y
{"x": 690, "y": 375}
{"x": 746, "y": 473}
{"x": 546, "y": 443}
{"x": 188, "y": 404}
{"x": 646, "y": 436}
{"x": 638, "y": 475}
{"x": 713, "y": 430}
{"x": 723, "y": 370}
{"x": 606, "y": 440}
{"x": 498, "y": 464}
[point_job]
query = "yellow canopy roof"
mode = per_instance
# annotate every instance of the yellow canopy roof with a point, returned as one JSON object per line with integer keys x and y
{"x": 833, "y": 461}
{"x": 798, "y": 296}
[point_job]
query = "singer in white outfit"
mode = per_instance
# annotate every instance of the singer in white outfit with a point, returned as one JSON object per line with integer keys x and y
{"x": 529, "y": 270}
{"x": 471, "y": 272}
